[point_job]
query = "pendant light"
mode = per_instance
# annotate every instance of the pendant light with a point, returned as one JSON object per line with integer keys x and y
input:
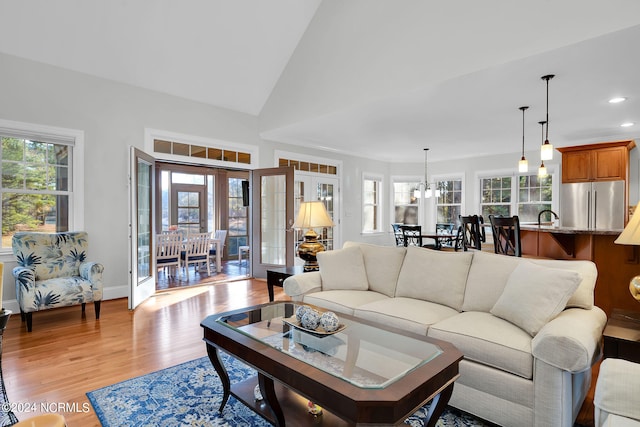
{"x": 427, "y": 188}
{"x": 546, "y": 149}
{"x": 523, "y": 164}
{"x": 542, "y": 170}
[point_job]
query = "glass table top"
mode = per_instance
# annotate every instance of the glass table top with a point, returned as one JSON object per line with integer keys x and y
{"x": 361, "y": 354}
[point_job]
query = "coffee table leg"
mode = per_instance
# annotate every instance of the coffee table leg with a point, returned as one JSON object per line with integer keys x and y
{"x": 438, "y": 404}
{"x": 214, "y": 356}
{"x": 270, "y": 398}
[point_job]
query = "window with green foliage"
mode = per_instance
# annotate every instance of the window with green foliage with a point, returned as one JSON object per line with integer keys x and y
{"x": 534, "y": 194}
{"x": 36, "y": 186}
{"x": 496, "y": 196}
{"x": 523, "y": 195}
{"x": 449, "y": 202}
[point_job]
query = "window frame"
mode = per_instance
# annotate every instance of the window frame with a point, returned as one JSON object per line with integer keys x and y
{"x": 56, "y": 135}
{"x": 377, "y": 205}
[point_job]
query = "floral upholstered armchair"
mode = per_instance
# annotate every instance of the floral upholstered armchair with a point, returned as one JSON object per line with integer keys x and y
{"x": 53, "y": 272}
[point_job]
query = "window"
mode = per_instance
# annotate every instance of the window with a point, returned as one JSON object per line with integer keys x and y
{"x": 238, "y": 217}
{"x": 496, "y": 196}
{"x": 449, "y": 203}
{"x": 371, "y": 204}
{"x": 534, "y": 195}
{"x": 38, "y": 171}
{"x": 523, "y": 195}
{"x": 405, "y": 204}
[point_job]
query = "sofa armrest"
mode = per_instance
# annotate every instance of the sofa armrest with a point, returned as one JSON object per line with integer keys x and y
{"x": 92, "y": 271}
{"x": 617, "y": 389}
{"x": 25, "y": 278}
{"x": 298, "y": 285}
{"x": 571, "y": 341}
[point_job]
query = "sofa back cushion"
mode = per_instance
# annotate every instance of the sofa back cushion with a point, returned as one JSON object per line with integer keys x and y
{"x": 343, "y": 269}
{"x": 534, "y": 295}
{"x": 383, "y": 264}
{"x": 488, "y": 276}
{"x": 434, "y": 276}
{"x": 51, "y": 255}
{"x": 489, "y": 273}
{"x": 583, "y": 297}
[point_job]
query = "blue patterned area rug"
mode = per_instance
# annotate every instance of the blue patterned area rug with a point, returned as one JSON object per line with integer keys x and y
{"x": 189, "y": 394}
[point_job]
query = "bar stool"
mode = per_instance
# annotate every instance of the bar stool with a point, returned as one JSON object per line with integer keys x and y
{"x": 45, "y": 420}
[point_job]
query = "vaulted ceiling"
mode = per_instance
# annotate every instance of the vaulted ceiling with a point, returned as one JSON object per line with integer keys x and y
{"x": 374, "y": 78}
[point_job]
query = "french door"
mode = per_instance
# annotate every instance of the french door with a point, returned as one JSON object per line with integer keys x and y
{"x": 142, "y": 271}
{"x": 272, "y": 214}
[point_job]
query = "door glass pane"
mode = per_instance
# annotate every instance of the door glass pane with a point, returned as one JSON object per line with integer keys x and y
{"x": 325, "y": 195}
{"x": 273, "y": 220}
{"x": 144, "y": 220}
{"x": 189, "y": 211}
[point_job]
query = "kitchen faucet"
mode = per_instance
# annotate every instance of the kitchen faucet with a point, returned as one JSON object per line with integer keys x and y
{"x": 546, "y": 210}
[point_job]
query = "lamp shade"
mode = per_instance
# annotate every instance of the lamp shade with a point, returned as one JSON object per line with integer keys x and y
{"x": 312, "y": 214}
{"x": 631, "y": 233}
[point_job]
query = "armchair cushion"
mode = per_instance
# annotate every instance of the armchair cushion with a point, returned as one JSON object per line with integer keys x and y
{"x": 617, "y": 390}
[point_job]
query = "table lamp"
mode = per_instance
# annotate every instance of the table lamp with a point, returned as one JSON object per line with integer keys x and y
{"x": 631, "y": 236}
{"x": 311, "y": 214}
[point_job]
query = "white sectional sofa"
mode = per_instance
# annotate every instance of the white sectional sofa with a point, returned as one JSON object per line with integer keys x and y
{"x": 528, "y": 328}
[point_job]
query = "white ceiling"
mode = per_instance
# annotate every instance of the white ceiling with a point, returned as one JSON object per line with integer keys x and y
{"x": 374, "y": 78}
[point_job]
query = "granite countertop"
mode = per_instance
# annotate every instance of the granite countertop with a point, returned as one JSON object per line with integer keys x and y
{"x": 567, "y": 230}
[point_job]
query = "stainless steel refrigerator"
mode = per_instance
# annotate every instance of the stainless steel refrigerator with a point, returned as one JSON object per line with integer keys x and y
{"x": 593, "y": 205}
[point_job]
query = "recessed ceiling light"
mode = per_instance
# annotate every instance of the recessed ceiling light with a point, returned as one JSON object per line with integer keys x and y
{"x": 627, "y": 124}
{"x": 617, "y": 100}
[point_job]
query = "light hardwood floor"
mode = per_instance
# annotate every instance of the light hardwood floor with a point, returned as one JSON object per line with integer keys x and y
{"x": 66, "y": 355}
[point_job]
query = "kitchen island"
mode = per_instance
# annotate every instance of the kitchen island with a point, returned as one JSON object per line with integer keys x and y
{"x": 617, "y": 264}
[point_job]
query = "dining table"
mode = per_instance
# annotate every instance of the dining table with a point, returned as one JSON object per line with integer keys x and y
{"x": 438, "y": 237}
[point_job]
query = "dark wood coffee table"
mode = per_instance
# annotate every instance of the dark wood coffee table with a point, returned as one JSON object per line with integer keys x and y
{"x": 365, "y": 374}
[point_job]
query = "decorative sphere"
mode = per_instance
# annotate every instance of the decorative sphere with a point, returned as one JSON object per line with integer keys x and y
{"x": 300, "y": 311}
{"x": 634, "y": 288}
{"x": 329, "y": 321}
{"x": 311, "y": 319}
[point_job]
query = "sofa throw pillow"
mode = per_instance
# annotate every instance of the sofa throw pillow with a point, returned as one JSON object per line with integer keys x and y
{"x": 382, "y": 264}
{"x": 343, "y": 269}
{"x": 534, "y": 295}
{"x": 434, "y": 276}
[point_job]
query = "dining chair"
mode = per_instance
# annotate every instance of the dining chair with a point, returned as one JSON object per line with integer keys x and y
{"x": 196, "y": 251}
{"x": 168, "y": 249}
{"x": 220, "y": 235}
{"x": 412, "y": 235}
{"x": 506, "y": 235}
{"x": 473, "y": 234}
{"x": 397, "y": 233}
{"x": 446, "y": 228}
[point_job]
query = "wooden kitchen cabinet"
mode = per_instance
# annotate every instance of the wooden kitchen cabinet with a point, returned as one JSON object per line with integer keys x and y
{"x": 607, "y": 161}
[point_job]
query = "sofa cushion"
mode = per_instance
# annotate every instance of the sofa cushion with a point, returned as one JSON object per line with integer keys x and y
{"x": 583, "y": 296}
{"x": 408, "y": 314}
{"x": 434, "y": 276}
{"x": 488, "y": 276}
{"x": 342, "y": 301}
{"x": 534, "y": 295}
{"x": 343, "y": 269}
{"x": 488, "y": 340}
{"x": 382, "y": 264}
